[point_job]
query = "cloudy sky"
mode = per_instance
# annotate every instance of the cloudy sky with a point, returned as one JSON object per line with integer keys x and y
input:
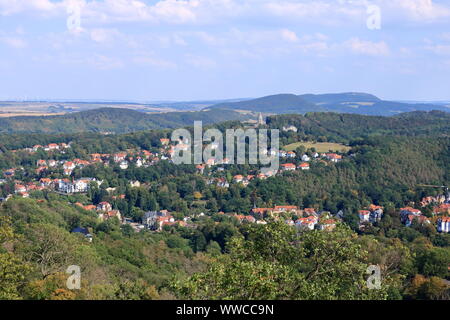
{"x": 146, "y": 50}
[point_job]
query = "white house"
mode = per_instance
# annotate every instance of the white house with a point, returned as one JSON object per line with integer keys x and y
{"x": 78, "y": 186}
{"x": 443, "y": 224}
{"x": 364, "y": 215}
{"x": 123, "y": 165}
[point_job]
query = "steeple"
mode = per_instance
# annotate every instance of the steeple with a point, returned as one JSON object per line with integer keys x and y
{"x": 261, "y": 121}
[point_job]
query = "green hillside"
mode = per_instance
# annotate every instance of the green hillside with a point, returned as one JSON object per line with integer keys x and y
{"x": 114, "y": 120}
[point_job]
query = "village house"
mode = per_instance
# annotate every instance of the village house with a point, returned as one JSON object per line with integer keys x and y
{"x": 376, "y": 212}
{"x": 364, "y": 216}
{"x": 164, "y": 142}
{"x": 81, "y": 163}
{"x": 310, "y": 212}
{"x": 282, "y": 154}
{"x": 200, "y": 168}
{"x": 238, "y": 178}
{"x": 85, "y": 232}
{"x": 96, "y": 157}
{"x": 52, "y": 163}
{"x": 45, "y": 182}
{"x": 291, "y": 154}
{"x": 69, "y": 165}
{"x": 288, "y": 167}
{"x": 139, "y": 162}
{"x": 290, "y": 128}
{"x": 64, "y": 145}
{"x": 24, "y": 194}
{"x": 211, "y": 162}
{"x": 40, "y": 170}
{"x": 51, "y": 147}
{"x": 304, "y": 166}
{"x": 443, "y": 224}
{"x": 9, "y": 173}
{"x": 408, "y": 210}
{"x": 135, "y": 184}
{"x": 420, "y": 219}
{"x": 104, "y": 206}
{"x": 373, "y": 214}
{"x": 333, "y": 157}
{"x": 306, "y": 223}
{"x": 243, "y": 218}
{"x": 443, "y": 208}
{"x": 19, "y": 188}
{"x": 156, "y": 220}
{"x": 328, "y": 225}
{"x": 306, "y": 158}
{"x": 260, "y": 213}
{"x": 146, "y": 154}
{"x": 119, "y": 157}
{"x": 37, "y": 147}
{"x": 78, "y": 186}
{"x": 223, "y": 183}
{"x": 90, "y": 207}
{"x": 123, "y": 165}
{"x": 281, "y": 209}
{"x": 289, "y": 222}
{"x": 109, "y": 215}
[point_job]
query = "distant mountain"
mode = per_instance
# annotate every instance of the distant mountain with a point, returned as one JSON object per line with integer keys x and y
{"x": 350, "y": 102}
{"x": 115, "y": 120}
{"x": 280, "y": 103}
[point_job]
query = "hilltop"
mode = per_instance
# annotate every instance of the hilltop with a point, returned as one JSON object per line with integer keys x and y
{"x": 350, "y": 102}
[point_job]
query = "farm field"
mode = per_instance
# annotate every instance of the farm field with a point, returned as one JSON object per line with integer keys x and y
{"x": 319, "y": 146}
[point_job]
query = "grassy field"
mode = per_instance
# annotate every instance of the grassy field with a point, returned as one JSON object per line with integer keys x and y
{"x": 320, "y": 146}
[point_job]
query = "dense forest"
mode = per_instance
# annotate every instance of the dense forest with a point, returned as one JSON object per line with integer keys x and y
{"x": 389, "y": 162}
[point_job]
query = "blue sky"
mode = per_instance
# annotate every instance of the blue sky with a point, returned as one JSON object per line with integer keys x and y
{"x": 214, "y": 49}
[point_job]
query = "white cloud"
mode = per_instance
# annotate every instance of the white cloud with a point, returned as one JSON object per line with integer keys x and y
{"x": 201, "y": 62}
{"x": 359, "y": 46}
{"x": 153, "y": 61}
{"x": 289, "y": 35}
{"x": 418, "y": 10}
{"x": 14, "y": 42}
{"x": 103, "y": 35}
{"x": 440, "y": 49}
{"x": 105, "y": 63}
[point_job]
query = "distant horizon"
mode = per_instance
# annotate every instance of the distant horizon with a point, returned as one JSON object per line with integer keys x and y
{"x": 200, "y": 100}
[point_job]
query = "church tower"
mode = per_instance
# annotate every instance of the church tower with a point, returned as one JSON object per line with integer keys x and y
{"x": 261, "y": 121}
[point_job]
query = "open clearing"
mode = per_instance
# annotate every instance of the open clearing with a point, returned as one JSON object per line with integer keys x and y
{"x": 320, "y": 146}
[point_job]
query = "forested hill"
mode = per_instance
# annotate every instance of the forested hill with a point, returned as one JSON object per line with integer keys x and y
{"x": 351, "y": 102}
{"x": 113, "y": 120}
{"x": 342, "y": 127}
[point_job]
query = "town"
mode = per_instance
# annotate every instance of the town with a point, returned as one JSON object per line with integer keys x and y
{"x": 55, "y": 175}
